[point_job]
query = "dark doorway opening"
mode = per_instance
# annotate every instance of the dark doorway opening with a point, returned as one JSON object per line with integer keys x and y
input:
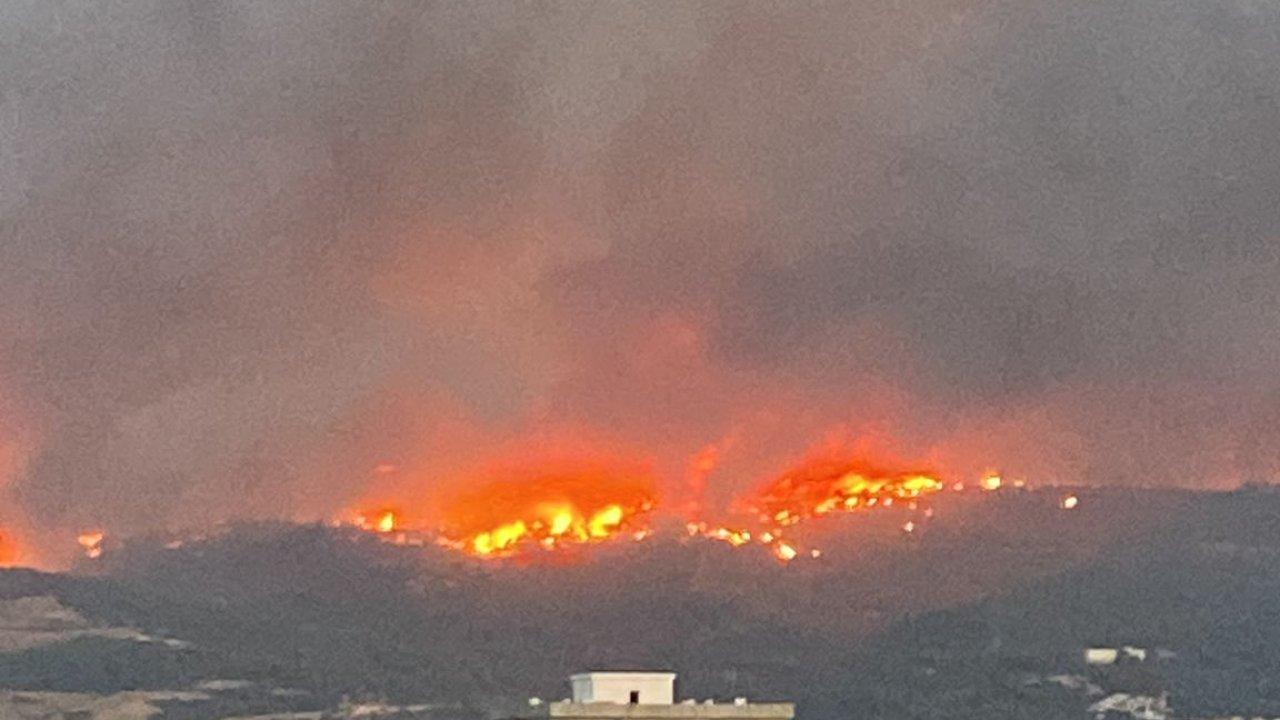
{"x": 635, "y": 697}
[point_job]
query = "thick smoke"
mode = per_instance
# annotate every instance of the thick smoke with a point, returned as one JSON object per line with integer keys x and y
{"x": 251, "y": 252}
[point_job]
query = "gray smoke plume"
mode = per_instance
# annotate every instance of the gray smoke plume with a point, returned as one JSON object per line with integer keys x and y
{"x": 251, "y": 251}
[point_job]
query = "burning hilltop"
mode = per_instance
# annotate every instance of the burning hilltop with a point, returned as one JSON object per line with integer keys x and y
{"x": 813, "y": 489}
{"x": 578, "y": 506}
{"x": 539, "y": 508}
{"x": 832, "y": 486}
{"x": 525, "y": 507}
{"x": 503, "y": 518}
{"x": 294, "y": 596}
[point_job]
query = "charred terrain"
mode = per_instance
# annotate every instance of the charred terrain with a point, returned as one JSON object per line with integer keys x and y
{"x": 985, "y": 612}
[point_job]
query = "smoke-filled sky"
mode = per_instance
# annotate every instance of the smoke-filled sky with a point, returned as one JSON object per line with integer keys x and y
{"x": 250, "y": 252}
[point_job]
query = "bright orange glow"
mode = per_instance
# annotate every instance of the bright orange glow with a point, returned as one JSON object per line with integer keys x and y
{"x": 387, "y": 522}
{"x": 1070, "y": 502}
{"x": 500, "y": 538}
{"x": 379, "y": 521}
{"x": 824, "y": 487}
{"x": 9, "y": 555}
{"x": 502, "y": 518}
{"x": 91, "y": 543}
{"x": 816, "y": 489}
{"x": 515, "y": 512}
{"x": 784, "y": 552}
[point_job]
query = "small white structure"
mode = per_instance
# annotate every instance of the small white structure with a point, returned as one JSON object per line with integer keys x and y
{"x": 1110, "y": 656}
{"x": 1101, "y": 656}
{"x": 639, "y": 696}
{"x": 626, "y": 688}
{"x": 1137, "y": 653}
{"x": 1140, "y": 707}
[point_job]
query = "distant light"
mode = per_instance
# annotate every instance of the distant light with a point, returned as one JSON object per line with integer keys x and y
{"x": 91, "y": 542}
{"x": 387, "y": 522}
{"x": 1070, "y": 502}
{"x": 992, "y": 482}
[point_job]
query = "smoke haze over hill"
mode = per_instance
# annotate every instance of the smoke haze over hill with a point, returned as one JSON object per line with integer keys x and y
{"x": 249, "y": 253}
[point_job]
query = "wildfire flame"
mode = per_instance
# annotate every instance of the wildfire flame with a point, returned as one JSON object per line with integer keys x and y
{"x": 382, "y": 521}
{"x": 503, "y": 518}
{"x": 596, "y": 502}
{"x": 552, "y": 523}
{"x": 583, "y": 505}
{"x": 825, "y": 487}
{"x": 785, "y": 552}
{"x": 812, "y": 490}
{"x": 91, "y": 543}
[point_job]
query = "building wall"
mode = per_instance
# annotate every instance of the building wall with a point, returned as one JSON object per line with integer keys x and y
{"x": 650, "y": 688}
{"x": 680, "y": 711}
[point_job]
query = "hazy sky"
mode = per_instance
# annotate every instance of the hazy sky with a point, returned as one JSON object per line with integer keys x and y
{"x": 251, "y": 251}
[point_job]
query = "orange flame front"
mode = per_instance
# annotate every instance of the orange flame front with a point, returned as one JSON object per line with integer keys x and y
{"x": 825, "y": 486}
{"x": 502, "y": 518}
{"x": 590, "y": 503}
{"x": 814, "y": 489}
{"x": 382, "y": 521}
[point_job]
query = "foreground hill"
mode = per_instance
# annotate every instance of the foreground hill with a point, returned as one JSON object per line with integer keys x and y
{"x": 967, "y": 617}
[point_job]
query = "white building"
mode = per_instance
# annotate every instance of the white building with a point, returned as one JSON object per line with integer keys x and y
{"x": 632, "y": 688}
{"x": 642, "y": 696}
{"x": 1101, "y": 656}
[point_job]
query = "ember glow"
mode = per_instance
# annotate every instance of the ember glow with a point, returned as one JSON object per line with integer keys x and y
{"x": 583, "y": 505}
{"x": 91, "y": 543}
{"x": 504, "y": 518}
{"x": 784, "y": 552}
{"x": 825, "y": 487}
{"x": 382, "y": 521}
{"x": 812, "y": 490}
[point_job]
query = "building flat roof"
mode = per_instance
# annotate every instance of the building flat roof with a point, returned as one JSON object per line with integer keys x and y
{"x": 677, "y": 711}
{"x": 622, "y": 674}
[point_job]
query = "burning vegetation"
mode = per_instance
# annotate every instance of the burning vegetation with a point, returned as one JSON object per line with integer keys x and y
{"x": 503, "y": 518}
{"x": 825, "y": 487}
{"x": 382, "y": 521}
{"x": 91, "y": 544}
{"x": 521, "y": 514}
{"x": 814, "y": 489}
{"x": 579, "y": 506}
